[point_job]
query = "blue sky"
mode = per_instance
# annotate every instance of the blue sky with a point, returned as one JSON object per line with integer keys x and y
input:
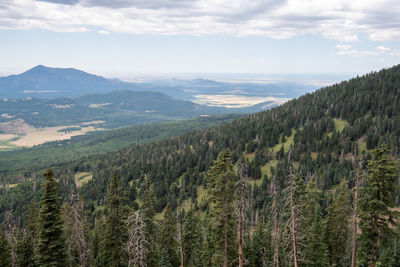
{"x": 123, "y": 37}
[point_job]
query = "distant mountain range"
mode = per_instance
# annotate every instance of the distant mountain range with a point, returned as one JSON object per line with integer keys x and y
{"x": 44, "y": 96}
{"x": 46, "y": 82}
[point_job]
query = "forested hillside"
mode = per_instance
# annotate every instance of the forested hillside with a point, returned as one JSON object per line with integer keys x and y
{"x": 308, "y": 183}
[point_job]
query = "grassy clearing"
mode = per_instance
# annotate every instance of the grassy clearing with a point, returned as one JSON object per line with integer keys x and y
{"x": 82, "y": 178}
{"x": 340, "y": 124}
{"x": 286, "y": 144}
{"x": 362, "y": 145}
{"x": 266, "y": 169}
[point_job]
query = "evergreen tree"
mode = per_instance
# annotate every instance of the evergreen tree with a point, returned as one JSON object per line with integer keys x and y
{"x": 27, "y": 239}
{"x": 260, "y": 247}
{"x": 149, "y": 201}
{"x": 221, "y": 184}
{"x": 25, "y": 249}
{"x": 192, "y": 238}
{"x": 167, "y": 238}
{"x": 98, "y": 241}
{"x": 5, "y": 250}
{"x": 207, "y": 246}
{"x": 51, "y": 249}
{"x": 115, "y": 232}
{"x": 315, "y": 249}
{"x": 376, "y": 216}
{"x": 337, "y": 225}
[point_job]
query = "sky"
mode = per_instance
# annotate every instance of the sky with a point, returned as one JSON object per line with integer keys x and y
{"x": 124, "y": 37}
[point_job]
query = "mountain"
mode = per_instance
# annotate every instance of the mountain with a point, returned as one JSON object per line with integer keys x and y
{"x": 42, "y": 81}
{"x": 308, "y": 145}
{"x": 46, "y": 82}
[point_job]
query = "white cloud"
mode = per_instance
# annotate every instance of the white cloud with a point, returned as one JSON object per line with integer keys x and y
{"x": 380, "y": 50}
{"x": 103, "y": 32}
{"x": 333, "y": 19}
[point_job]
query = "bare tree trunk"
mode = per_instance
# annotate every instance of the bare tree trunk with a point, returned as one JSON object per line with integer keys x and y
{"x": 241, "y": 192}
{"x": 293, "y": 218}
{"x": 79, "y": 229}
{"x": 276, "y": 223}
{"x": 355, "y": 206}
{"x": 264, "y": 261}
{"x": 180, "y": 235}
{"x": 225, "y": 264}
{"x": 137, "y": 246}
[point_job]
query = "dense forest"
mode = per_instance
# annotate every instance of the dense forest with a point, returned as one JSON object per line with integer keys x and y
{"x": 313, "y": 182}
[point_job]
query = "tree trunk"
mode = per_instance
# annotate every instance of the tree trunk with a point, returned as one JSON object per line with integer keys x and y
{"x": 225, "y": 264}
{"x": 181, "y": 240}
{"x": 276, "y": 224}
{"x": 355, "y": 222}
{"x": 241, "y": 189}
{"x": 293, "y": 218}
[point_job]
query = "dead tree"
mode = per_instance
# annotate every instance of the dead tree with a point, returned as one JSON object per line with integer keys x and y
{"x": 293, "y": 221}
{"x": 241, "y": 192}
{"x": 77, "y": 211}
{"x": 137, "y": 247}
{"x": 180, "y": 239}
{"x": 275, "y": 212}
{"x": 355, "y": 207}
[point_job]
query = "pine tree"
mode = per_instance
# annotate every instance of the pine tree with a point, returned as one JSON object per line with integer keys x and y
{"x": 27, "y": 239}
{"x": 337, "y": 224}
{"x": 315, "y": 249}
{"x": 167, "y": 237}
{"x": 149, "y": 200}
{"x": 115, "y": 232}
{"x": 51, "y": 249}
{"x": 260, "y": 247}
{"x": 98, "y": 241}
{"x": 376, "y": 200}
{"x": 192, "y": 238}
{"x": 207, "y": 246}
{"x": 5, "y": 250}
{"x": 221, "y": 184}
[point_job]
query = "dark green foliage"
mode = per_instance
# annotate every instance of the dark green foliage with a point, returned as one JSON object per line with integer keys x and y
{"x": 377, "y": 218}
{"x": 260, "y": 247}
{"x": 115, "y": 232}
{"x": 192, "y": 238}
{"x": 221, "y": 184}
{"x": 167, "y": 242}
{"x": 149, "y": 201}
{"x": 337, "y": 225}
{"x": 51, "y": 247}
{"x": 27, "y": 239}
{"x": 5, "y": 249}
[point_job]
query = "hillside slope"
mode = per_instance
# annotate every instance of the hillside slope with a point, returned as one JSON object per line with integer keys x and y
{"x": 321, "y": 129}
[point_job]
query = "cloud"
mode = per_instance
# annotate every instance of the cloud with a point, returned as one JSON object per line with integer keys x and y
{"x": 339, "y": 20}
{"x": 380, "y": 50}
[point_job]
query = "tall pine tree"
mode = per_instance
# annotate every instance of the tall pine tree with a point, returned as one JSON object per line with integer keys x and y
{"x": 376, "y": 216}
{"x": 51, "y": 249}
{"x": 115, "y": 231}
{"x": 221, "y": 183}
